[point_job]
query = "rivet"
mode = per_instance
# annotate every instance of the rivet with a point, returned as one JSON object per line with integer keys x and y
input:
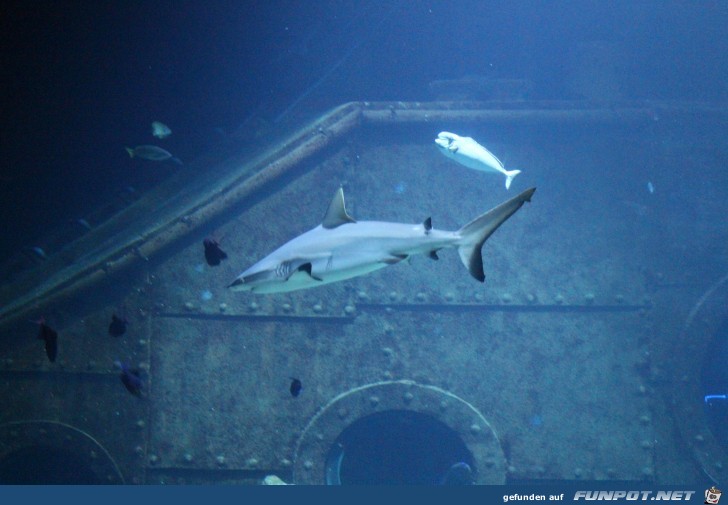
{"x": 443, "y": 405}
{"x": 506, "y": 298}
{"x": 153, "y": 459}
{"x": 619, "y": 298}
{"x": 319, "y": 436}
{"x": 286, "y": 462}
{"x": 589, "y": 298}
{"x": 645, "y": 419}
{"x": 646, "y": 444}
{"x": 420, "y": 296}
{"x": 578, "y": 472}
{"x": 647, "y": 471}
{"x": 223, "y": 307}
{"x": 342, "y": 412}
{"x": 251, "y": 462}
{"x": 373, "y": 401}
{"x": 699, "y": 438}
{"x": 93, "y": 455}
{"x": 393, "y": 295}
{"x": 187, "y": 457}
{"x": 349, "y": 310}
{"x": 140, "y": 423}
{"x": 408, "y": 397}
{"x": 308, "y": 464}
{"x": 253, "y": 306}
{"x": 559, "y": 299}
{"x": 318, "y": 308}
{"x": 286, "y": 307}
{"x": 139, "y": 450}
{"x": 449, "y": 296}
{"x": 362, "y": 295}
{"x": 189, "y": 306}
{"x": 220, "y": 460}
{"x": 475, "y": 429}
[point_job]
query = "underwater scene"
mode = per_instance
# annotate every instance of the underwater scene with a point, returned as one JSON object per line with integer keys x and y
{"x": 364, "y": 243}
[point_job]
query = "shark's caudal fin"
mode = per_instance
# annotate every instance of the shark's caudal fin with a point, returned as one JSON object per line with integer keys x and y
{"x": 476, "y": 232}
{"x": 510, "y": 175}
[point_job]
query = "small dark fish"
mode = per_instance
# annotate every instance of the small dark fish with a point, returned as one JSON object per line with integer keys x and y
{"x": 459, "y": 474}
{"x": 296, "y": 387}
{"x": 50, "y": 337}
{"x": 131, "y": 378}
{"x": 213, "y": 254}
{"x": 35, "y": 253}
{"x": 118, "y": 326}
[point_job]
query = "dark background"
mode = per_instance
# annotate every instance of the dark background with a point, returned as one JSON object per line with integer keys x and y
{"x": 81, "y": 80}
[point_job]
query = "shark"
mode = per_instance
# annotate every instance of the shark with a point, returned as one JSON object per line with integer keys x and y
{"x": 341, "y": 248}
{"x": 469, "y": 153}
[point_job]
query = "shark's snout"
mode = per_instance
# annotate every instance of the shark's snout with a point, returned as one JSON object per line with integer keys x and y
{"x": 235, "y": 285}
{"x": 442, "y": 143}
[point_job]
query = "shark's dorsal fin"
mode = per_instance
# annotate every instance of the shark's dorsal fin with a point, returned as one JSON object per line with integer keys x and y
{"x": 336, "y": 214}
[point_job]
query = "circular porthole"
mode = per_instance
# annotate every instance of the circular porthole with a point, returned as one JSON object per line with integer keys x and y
{"x": 399, "y": 447}
{"x": 43, "y": 464}
{"x": 715, "y": 385}
{"x": 698, "y": 392}
{"x": 51, "y": 452}
{"x": 398, "y": 432}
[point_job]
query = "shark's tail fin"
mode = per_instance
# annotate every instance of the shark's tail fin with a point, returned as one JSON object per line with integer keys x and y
{"x": 510, "y": 175}
{"x": 476, "y": 232}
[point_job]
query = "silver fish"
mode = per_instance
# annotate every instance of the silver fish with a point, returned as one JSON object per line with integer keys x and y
{"x": 151, "y": 153}
{"x": 160, "y": 130}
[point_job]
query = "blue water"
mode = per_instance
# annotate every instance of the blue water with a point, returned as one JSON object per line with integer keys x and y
{"x": 82, "y": 81}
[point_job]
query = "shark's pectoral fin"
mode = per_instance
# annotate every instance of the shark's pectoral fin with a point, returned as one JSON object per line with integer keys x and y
{"x": 395, "y": 258}
{"x": 308, "y": 268}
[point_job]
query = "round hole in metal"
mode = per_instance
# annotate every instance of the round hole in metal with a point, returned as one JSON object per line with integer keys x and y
{"x": 44, "y": 464}
{"x": 399, "y": 447}
{"x": 714, "y": 375}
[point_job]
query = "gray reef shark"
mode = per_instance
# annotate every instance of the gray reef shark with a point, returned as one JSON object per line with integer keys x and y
{"x": 341, "y": 248}
{"x": 469, "y": 153}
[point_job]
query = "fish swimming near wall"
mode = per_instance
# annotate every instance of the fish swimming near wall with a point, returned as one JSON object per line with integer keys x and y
{"x": 160, "y": 130}
{"x": 213, "y": 254}
{"x": 469, "y": 153}
{"x": 296, "y": 387}
{"x": 117, "y": 326}
{"x": 459, "y": 474}
{"x": 341, "y": 248}
{"x": 151, "y": 153}
{"x": 131, "y": 378}
{"x": 50, "y": 337}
